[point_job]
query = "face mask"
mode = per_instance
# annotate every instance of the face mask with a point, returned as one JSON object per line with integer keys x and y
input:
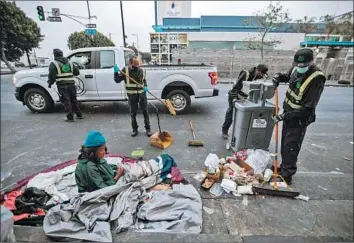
{"x": 302, "y": 69}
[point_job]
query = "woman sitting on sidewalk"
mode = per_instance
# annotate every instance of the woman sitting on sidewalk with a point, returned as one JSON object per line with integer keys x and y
{"x": 92, "y": 171}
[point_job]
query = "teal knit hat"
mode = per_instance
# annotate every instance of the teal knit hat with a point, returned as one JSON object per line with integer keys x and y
{"x": 94, "y": 139}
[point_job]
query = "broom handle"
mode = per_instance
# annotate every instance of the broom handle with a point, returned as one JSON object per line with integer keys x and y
{"x": 141, "y": 86}
{"x": 157, "y": 114}
{"x": 276, "y": 137}
{"x": 191, "y": 125}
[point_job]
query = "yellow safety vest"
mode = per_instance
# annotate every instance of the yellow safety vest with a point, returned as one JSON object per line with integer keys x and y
{"x": 294, "y": 97}
{"x": 63, "y": 75}
{"x": 130, "y": 86}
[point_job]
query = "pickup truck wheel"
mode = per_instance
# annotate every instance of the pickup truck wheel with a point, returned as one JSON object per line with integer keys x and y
{"x": 180, "y": 100}
{"x": 37, "y": 100}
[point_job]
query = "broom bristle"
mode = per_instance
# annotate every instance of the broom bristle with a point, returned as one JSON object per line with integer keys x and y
{"x": 170, "y": 107}
{"x": 195, "y": 143}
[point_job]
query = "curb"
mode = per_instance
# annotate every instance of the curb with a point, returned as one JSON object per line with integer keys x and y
{"x": 326, "y": 85}
{"x": 36, "y": 234}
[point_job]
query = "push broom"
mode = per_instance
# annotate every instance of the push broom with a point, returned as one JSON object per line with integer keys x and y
{"x": 194, "y": 142}
{"x": 275, "y": 190}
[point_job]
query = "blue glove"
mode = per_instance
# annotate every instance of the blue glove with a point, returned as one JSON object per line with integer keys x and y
{"x": 145, "y": 89}
{"x": 116, "y": 68}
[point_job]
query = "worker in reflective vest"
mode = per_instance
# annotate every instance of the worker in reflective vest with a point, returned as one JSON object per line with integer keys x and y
{"x": 136, "y": 93}
{"x": 63, "y": 72}
{"x": 235, "y": 92}
{"x": 306, "y": 83}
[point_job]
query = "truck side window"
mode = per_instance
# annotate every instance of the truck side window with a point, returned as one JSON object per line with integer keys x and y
{"x": 106, "y": 59}
{"x": 83, "y": 59}
{"x": 127, "y": 55}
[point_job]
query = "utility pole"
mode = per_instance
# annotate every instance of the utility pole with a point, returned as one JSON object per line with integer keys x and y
{"x": 110, "y": 36}
{"x": 123, "y": 30}
{"x": 88, "y": 9}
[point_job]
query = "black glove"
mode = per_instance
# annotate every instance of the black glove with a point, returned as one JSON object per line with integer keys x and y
{"x": 49, "y": 85}
{"x": 276, "y": 80}
{"x": 278, "y": 118}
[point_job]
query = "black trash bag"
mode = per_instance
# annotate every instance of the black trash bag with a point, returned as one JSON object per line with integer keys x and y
{"x": 31, "y": 200}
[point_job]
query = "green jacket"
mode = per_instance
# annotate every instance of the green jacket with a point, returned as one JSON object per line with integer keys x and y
{"x": 91, "y": 176}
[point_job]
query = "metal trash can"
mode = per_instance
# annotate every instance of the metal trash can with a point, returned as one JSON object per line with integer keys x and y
{"x": 252, "y": 126}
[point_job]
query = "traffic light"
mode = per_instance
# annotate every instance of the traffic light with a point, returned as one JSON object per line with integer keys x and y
{"x": 40, "y": 13}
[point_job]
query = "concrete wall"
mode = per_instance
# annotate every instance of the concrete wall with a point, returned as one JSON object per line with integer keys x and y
{"x": 290, "y": 41}
{"x": 277, "y": 60}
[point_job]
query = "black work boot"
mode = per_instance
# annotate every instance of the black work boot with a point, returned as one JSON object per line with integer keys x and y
{"x": 134, "y": 133}
{"x": 79, "y": 116}
{"x": 69, "y": 119}
{"x": 148, "y": 133}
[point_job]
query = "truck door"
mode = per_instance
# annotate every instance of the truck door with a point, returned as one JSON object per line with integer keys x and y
{"x": 86, "y": 81}
{"x": 108, "y": 89}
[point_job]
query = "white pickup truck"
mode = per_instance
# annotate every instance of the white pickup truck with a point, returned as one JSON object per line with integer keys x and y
{"x": 96, "y": 83}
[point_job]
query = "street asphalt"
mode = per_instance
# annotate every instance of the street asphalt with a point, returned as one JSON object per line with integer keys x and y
{"x": 31, "y": 142}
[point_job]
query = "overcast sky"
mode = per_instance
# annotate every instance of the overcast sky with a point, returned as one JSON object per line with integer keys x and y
{"x": 139, "y": 17}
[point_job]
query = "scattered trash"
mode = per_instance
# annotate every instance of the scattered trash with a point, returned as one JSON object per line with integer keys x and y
{"x": 200, "y": 176}
{"x": 347, "y": 159}
{"x": 323, "y": 188}
{"x": 207, "y": 183}
{"x": 245, "y": 200}
{"x": 302, "y": 197}
{"x": 138, "y": 153}
{"x": 216, "y": 190}
{"x": 222, "y": 161}
{"x": 351, "y": 142}
{"x": 208, "y": 210}
{"x": 245, "y": 190}
{"x": 236, "y": 194}
{"x": 281, "y": 184}
{"x": 267, "y": 174}
{"x": 228, "y": 185}
{"x": 337, "y": 169}
{"x": 212, "y": 163}
{"x": 258, "y": 159}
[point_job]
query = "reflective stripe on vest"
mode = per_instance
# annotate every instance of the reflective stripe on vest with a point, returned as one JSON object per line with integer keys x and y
{"x": 298, "y": 97}
{"x": 247, "y": 74}
{"x": 64, "y": 77}
{"x": 128, "y": 84}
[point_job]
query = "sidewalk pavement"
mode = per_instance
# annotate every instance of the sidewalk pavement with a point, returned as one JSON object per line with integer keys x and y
{"x": 328, "y": 82}
{"x": 327, "y": 216}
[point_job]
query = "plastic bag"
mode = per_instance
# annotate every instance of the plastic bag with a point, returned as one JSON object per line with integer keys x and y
{"x": 212, "y": 162}
{"x": 258, "y": 159}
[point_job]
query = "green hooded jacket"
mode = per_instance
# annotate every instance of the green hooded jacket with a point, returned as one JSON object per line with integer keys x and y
{"x": 91, "y": 176}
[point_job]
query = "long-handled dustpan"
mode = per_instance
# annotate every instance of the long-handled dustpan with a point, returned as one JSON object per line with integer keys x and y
{"x": 160, "y": 139}
{"x": 275, "y": 190}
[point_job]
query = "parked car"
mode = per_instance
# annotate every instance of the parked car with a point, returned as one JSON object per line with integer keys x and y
{"x": 96, "y": 83}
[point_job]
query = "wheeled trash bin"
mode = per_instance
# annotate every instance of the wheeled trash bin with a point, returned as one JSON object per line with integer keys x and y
{"x": 252, "y": 126}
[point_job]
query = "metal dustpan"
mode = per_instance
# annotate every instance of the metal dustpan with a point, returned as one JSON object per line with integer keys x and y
{"x": 160, "y": 139}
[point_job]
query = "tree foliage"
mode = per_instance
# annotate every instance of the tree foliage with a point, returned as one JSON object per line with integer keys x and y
{"x": 80, "y": 40}
{"x": 306, "y": 25}
{"x": 339, "y": 26}
{"x": 19, "y": 34}
{"x": 273, "y": 17}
